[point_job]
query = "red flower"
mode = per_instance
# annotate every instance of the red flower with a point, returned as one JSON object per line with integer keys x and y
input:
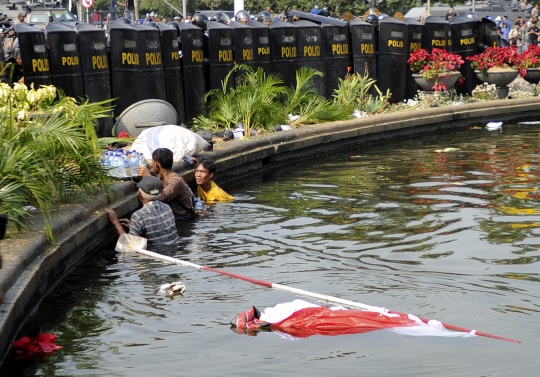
{"x": 528, "y": 59}
{"x": 124, "y": 135}
{"x": 43, "y": 344}
{"x": 494, "y": 57}
{"x": 435, "y": 65}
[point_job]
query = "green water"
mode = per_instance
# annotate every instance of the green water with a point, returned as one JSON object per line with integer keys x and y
{"x": 451, "y": 236}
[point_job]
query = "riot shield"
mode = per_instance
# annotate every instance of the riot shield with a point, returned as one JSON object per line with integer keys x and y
{"x": 152, "y": 85}
{"x": 34, "y": 54}
{"x": 393, "y": 56}
{"x": 436, "y": 31}
{"x": 220, "y": 54}
{"x": 310, "y": 50}
{"x": 125, "y": 72}
{"x": 174, "y": 87}
{"x": 95, "y": 68}
{"x": 364, "y": 53}
{"x": 192, "y": 60}
{"x": 489, "y": 34}
{"x": 243, "y": 46}
{"x": 65, "y": 61}
{"x": 337, "y": 55}
{"x": 415, "y": 29}
{"x": 283, "y": 41}
{"x": 260, "y": 35}
{"x": 465, "y": 43}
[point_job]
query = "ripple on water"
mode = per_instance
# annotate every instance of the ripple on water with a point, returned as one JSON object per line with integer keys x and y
{"x": 452, "y": 236}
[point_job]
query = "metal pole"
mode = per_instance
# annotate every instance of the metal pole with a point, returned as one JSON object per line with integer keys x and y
{"x": 337, "y": 300}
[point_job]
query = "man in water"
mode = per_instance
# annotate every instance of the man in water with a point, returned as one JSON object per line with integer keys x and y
{"x": 154, "y": 221}
{"x": 176, "y": 192}
{"x": 208, "y": 191}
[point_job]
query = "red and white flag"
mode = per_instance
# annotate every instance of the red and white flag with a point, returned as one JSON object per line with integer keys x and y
{"x": 300, "y": 319}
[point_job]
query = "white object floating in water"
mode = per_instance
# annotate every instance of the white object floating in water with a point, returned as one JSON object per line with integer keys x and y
{"x": 446, "y": 150}
{"x": 172, "y": 288}
{"x": 494, "y": 126}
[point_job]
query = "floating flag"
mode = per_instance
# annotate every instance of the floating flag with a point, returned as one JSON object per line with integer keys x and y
{"x": 301, "y": 319}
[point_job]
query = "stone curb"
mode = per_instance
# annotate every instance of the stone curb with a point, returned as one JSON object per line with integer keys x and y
{"x": 32, "y": 266}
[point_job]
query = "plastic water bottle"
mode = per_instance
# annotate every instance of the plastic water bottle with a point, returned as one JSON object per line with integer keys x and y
{"x": 141, "y": 159}
{"x": 199, "y": 205}
{"x": 133, "y": 163}
{"x": 126, "y": 159}
{"x": 108, "y": 158}
{"x": 119, "y": 159}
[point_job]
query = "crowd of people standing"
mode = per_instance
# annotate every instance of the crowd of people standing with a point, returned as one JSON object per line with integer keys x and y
{"x": 521, "y": 34}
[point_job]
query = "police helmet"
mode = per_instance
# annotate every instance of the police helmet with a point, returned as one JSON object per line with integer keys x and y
{"x": 200, "y": 20}
{"x": 243, "y": 16}
{"x": 382, "y": 16}
{"x": 471, "y": 15}
{"x": 221, "y": 17}
{"x": 372, "y": 19}
{"x": 264, "y": 17}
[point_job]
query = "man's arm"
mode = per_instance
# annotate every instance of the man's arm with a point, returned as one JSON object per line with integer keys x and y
{"x": 113, "y": 218}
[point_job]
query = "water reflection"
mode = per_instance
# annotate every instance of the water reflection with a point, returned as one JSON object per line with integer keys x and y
{"x": 447, "y": 235}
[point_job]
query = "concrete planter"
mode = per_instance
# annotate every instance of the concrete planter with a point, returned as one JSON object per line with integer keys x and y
{"x": 501, "y": 78}
{"x": 448, "y": 80}
{"x": 532, "y": 76}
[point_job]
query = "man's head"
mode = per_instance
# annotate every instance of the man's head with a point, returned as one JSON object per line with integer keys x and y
{"x": 204, "y": 171}
{"x": 150, "y": 188}
{"x": 21, "y": 17}
{"x": 162, "y": 158}
{"x": 177, "y": 19}
{"x": 451, "y": 9}
{"x": 18, "y": 57}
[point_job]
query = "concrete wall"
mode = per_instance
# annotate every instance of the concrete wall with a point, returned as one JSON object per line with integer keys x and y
{"x": 32, "y": 267}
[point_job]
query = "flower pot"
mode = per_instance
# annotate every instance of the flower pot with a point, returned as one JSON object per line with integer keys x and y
{"x": 532, "y": 76}
{"x": 500, "y": 78}
{"x": 449, "y": 80}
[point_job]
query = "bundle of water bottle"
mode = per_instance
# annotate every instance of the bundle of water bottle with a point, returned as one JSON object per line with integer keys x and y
{"x": 122, "y": 163}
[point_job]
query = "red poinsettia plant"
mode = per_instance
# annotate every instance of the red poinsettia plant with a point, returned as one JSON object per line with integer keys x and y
{"x": 435, "y": 65}
{"x": 528, "y": 59}
{"x": 494, "y": 57}
{"x": 124, "y": 135}
{"x": 40, "y": 346}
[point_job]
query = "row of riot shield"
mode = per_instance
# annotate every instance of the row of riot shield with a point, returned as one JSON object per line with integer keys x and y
{"x": 179, "y": 63}
{"x": 77, "y": 72}
{"x": 383, "y": 53}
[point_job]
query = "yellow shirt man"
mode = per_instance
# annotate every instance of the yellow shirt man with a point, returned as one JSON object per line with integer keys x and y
{"x": 208, "y": 190}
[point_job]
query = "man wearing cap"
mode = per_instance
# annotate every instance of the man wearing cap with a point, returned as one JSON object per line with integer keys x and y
{"x": 154, "y": 221}
{"x": 178, "y": 19}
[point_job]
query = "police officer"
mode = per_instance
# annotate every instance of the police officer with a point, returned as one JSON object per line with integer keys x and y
{"x": 221, "y": 17}
{"x": 243, "y": 17}
{"x": 265, "y": 18}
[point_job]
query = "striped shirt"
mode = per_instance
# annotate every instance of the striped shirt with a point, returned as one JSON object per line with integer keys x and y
{"x": 155, "y": 222}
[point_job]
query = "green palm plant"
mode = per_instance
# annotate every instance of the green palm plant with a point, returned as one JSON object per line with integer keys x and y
{"x": 49, "y": 151}
{"x": 305, "y": 101}
{"x": 254, "y": 102}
